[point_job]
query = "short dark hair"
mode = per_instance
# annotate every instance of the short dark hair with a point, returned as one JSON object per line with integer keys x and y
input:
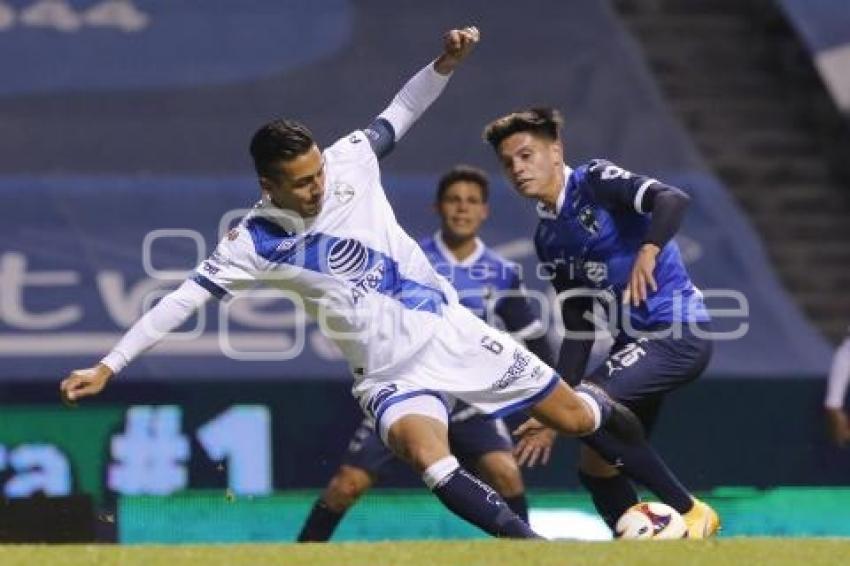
{"x": 279, "y": 140}
{"x": 543, "y": 122}
{"x": 464, "y": 173}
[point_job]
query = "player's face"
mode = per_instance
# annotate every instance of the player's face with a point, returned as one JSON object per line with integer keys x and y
{"x": 532, "y": 164}
{"x": 462, "y": 210}
{"x": 299, "y": 184}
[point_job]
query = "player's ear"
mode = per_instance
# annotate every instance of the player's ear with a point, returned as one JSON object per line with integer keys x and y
{"x": 557, "y": 149}
{"x": 485, "y": 211}
{"x": 265, "y": 186}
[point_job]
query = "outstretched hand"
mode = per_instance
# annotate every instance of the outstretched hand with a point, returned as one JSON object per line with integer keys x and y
{"x": 457, "y": 44}
{"x": 534, "y": 444}
{"x": 84, "y": 383}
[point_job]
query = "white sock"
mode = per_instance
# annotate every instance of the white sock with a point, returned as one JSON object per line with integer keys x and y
{"x": 439, "y": 470}
{"x": 594, "y": 408}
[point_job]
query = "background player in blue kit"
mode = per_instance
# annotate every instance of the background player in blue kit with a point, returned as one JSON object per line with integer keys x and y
{"x": 488, "y": 285}
{"x": 607, "y": 233}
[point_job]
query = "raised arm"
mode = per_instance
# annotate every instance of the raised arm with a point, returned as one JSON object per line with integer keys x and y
{"x": 172, "y": 311}
{"x": 420, "y": 91}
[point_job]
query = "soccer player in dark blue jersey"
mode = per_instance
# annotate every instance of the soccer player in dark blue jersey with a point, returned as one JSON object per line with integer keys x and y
{"x": 488, "y": 285}
{"x": 606, "y": 235}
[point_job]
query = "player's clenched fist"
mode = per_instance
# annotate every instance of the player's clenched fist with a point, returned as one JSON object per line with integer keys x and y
{"x": 84, "y": 383}
{"x": 457, "y": 44}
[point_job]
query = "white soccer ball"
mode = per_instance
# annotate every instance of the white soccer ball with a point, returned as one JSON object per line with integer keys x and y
{"x": 651, "y": 521}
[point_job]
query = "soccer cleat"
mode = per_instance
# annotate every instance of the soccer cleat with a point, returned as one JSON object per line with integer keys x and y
{"x": 702, "y": 521}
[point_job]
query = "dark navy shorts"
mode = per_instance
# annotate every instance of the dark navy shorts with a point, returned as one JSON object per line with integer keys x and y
{"x": 640, "y": 372}
{"x": 469, "y": 439}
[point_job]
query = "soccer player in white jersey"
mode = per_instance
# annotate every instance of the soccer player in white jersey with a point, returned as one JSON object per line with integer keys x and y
{"x": 492, "y": 288}
{"x": 325, "y": 233}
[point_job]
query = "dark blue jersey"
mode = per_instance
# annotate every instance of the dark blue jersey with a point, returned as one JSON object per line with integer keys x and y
{"x": 592, "y": 239}
{"x": 487, "y": 284}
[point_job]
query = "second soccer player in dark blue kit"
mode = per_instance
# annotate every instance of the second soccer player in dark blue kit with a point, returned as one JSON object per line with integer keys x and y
{"x": 606, "y": 235}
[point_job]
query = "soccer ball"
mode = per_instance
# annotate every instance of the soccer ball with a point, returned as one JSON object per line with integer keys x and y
{"x": 651, "y": 521}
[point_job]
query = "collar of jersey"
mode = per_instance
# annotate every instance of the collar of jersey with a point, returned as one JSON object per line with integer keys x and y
{"x": 547, "y": 213}
{"x": 450, "y": 257}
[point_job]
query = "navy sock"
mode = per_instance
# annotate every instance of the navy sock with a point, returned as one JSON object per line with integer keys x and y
{"x": 519, "y": 505}
{"x": 611, "y": 496}
{"x": 642, "y": 463}
{"x": 614, "y": 417}
{"x": 320, "y": 524}
{"x": 473, "y": 500}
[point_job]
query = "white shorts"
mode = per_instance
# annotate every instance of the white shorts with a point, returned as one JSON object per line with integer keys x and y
{"x": 466, "y": 360}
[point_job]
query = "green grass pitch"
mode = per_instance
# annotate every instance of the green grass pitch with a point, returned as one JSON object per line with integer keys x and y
{"x": 728, "y": 552}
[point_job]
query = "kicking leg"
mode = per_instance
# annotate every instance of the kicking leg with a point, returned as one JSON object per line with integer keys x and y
{"x": 415, "y": 430}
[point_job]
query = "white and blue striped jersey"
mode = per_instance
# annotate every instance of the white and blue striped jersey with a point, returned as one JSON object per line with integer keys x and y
{"x": 353, "y": 268}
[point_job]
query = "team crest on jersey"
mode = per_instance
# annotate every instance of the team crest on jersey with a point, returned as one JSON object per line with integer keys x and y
{"x": 343, "y": 192}
{"x": 233, "y": 234}
{"x": 595, "y": 271}
{"x": 588, "y": 221}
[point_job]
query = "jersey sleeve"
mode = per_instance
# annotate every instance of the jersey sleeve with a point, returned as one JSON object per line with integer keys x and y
{"x": 167, "y": 315}
{"x": 232, "y": 267}
{"x": 381, "y": 136}
{"x": 514, "y": 308}
{"x": 616, "y": 188}
{"x": 354, "y": 158}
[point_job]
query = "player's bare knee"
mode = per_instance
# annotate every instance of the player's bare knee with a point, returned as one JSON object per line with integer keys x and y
{"x": 565, "y": 411}
{"x": 419, "y": 440}
{"x": 421, "y": 455}
{"x": 573, "y": 420}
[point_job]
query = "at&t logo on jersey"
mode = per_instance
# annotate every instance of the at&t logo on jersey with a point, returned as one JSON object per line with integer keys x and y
{"x": 371, "y": 281}
{"x": 347, "y": 259}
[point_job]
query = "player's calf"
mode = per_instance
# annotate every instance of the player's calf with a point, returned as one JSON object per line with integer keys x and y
{"x": 346, "y": 487}
{"x": 422, "y": 441}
